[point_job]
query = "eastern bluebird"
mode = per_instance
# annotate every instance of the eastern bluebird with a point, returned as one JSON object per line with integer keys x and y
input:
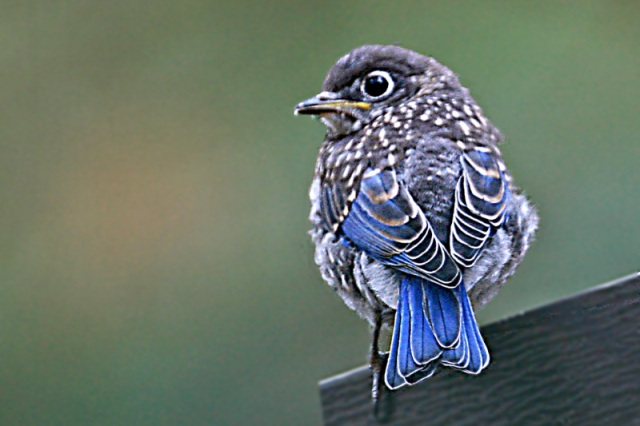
{"x": 415, "y": 216}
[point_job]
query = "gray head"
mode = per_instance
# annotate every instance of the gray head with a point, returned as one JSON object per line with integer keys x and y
{"x": 370, "y": 79}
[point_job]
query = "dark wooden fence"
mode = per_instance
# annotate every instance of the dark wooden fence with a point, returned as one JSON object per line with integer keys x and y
{"x": 573, "y": 362}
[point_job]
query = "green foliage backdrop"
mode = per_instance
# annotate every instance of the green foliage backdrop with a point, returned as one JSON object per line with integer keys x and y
{"x": 155, "y": 266}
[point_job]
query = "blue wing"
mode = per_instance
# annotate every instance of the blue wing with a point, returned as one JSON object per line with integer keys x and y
{"x": 481, "y": 197}
{"x": 386, "y": 223}
{"x": 434, "y": 320}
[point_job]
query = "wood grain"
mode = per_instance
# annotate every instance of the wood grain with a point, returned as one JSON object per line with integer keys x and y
{"x": 573, "y": 362}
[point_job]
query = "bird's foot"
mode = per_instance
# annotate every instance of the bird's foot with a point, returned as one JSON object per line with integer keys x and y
{"x": 380, "y": 396}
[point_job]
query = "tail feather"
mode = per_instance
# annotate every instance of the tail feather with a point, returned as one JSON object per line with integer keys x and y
{"x": 425, "y": 372}
{"x": 392, "y": 377}
{"x": 444, "y": 312}
{"x": 424, "y": 346}
{"x": 434, "y": 325}
{"x": 478, "y": 352}
{"x": 458, "y": 357}
{"x": 406, "y": 363}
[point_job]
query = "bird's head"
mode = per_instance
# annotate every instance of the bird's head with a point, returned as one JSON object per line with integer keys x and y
{"x": 363, "y": 84}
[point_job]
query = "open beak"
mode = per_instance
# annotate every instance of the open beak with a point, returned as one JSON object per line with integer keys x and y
{"x": 329, "y": 102}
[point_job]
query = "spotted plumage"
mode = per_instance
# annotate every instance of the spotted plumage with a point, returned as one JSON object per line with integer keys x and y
{"x": 415, "y": 216}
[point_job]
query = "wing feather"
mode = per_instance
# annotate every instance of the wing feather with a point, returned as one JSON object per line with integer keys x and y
{"x": 481, "y": 198}
{"x": 386, "y": 223}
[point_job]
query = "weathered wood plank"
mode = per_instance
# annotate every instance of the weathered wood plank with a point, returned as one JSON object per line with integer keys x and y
{"x": 573, "y": 362}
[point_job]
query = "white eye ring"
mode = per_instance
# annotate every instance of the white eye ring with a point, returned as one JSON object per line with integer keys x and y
{"x": 367, "y": 81}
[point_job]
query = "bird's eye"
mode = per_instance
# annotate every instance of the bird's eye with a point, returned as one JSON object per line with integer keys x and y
{"x": 377, "y": 84}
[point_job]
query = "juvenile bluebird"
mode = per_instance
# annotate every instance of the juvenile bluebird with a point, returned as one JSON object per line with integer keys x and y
{"x": 416, "y": 219}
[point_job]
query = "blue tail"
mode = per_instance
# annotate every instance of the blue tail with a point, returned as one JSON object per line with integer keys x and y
{"x": 434, "y": 325}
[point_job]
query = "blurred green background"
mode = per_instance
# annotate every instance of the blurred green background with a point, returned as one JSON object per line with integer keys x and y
{"x": 155, "y": 263}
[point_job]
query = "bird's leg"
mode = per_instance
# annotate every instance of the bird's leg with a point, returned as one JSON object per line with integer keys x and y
{"x": 377, "y": 362}
{"x": 375, "y": 359}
